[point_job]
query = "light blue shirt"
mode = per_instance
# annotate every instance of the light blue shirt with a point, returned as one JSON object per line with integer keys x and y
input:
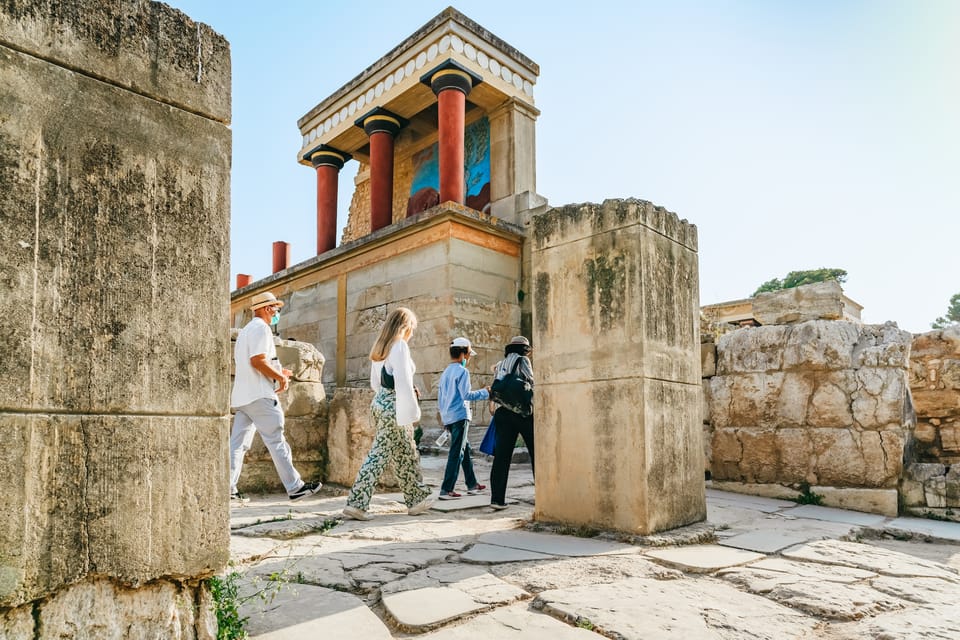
{"x": 454, "y": 394}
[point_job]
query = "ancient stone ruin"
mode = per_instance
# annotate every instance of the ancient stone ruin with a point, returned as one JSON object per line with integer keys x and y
{"x": 114, "y": 202}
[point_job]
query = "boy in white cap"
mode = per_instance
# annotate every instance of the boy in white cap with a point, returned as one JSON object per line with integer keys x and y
{"x": 453, "y": 397}
{"x": 255, "y": 399}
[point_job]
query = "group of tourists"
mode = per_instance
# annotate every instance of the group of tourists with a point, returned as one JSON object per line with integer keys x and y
{"x": 394, "y": 410}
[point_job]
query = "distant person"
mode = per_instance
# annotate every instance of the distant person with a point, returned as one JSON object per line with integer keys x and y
{"x": 453, "y": 398}
{"x": 258, "y": 380}
{"x": 394, "y": 409}
{"x": 510, "y": 423}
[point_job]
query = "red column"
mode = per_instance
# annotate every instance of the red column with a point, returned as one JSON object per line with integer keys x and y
{"x": 327, "y": 183}
{"x": 381, "y": 180}
{"x": 451, "y": 83}
{"x": 382, "y": 126}
{"x": 452, "y": 105}
{"x": 281, "y": 255}
{"x": 243, "y": 280}
{"x": 328, "y": 162}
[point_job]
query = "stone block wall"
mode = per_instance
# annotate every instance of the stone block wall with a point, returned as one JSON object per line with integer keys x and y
{"x": 458, "y": 271}
{"x": 617, "y": 366}
{"x": 824, "y": 403}
{"x": 931, "y": 483}
{"x": 114, "y": 200}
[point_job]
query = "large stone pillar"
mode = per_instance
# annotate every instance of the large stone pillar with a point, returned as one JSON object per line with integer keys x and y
{"x": 452, "y": 84}
{"x": 328, "y": 162}
{"x": 381, "y": 126}
{"x": 513, "y": 158}
{"x": 617, "y": 363}
{"x": 114, "y": 195}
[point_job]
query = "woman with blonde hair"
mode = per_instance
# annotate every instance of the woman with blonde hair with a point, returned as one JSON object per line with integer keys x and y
{"x": 394, "y": 409}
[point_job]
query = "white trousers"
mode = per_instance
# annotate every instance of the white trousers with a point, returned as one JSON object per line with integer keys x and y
{"x": 265, "y": 417}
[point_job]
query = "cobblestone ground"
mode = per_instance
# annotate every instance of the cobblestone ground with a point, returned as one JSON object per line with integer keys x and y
{"x": 759, "y": 568}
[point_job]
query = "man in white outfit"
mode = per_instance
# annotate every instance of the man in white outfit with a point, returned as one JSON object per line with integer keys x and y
{"x": 258, "y": 380}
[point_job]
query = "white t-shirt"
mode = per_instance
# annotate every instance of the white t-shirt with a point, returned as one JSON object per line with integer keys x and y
{"x": 249, "y": 384}
{"x": 400, "y": 365}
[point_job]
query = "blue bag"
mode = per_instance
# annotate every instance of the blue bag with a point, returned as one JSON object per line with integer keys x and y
{"x": 489, "y": 439}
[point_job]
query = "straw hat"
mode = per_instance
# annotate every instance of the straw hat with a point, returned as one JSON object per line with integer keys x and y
{"x": 265, "y": 299}
{"x": 519, "y": 340}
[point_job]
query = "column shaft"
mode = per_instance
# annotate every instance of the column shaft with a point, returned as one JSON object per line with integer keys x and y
{"x": 381, "y": 180}
{"x": 327, "y": 180}
{"x": 452, "y": 105}
{"x": 281, "y": 255}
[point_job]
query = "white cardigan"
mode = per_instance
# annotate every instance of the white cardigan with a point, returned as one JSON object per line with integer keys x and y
{"x": 400, "y": 365}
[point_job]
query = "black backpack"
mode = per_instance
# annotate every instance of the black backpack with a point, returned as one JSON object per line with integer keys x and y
{"x": 513, "y": 392}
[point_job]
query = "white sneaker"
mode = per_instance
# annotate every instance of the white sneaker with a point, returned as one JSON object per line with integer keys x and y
{"x": 356, "y": 514}
{"x": 421, "y": 507}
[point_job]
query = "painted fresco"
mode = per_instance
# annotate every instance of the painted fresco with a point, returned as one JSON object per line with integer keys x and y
{"x": 424, "y": 189}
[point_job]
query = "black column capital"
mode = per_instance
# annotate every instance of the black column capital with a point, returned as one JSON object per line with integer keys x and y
{"x": 379, "y": 119}
{"x": 325, "y": 155}
{"x": 450, "y": 75}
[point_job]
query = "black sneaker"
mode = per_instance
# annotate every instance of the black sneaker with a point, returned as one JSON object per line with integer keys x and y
{"x": 238, "y": 498}
{"x": 306, "y": 489}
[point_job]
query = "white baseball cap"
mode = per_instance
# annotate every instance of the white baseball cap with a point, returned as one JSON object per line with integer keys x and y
{"x": 463, "y": 342}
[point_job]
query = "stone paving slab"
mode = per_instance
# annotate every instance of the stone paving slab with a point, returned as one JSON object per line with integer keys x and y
{"x": 701, "y": 609}
{"x": 305, "y": 612}
{"x": 495, "y": 554}
{"x": 924, "y": 527}
{"x": 869, "y": 558}
{"x": 703, "y": 558}
{"x": 430, "y": 606}
{"x": 552, "y": 544}
{"x": 830, "y": 514}
{"x": 763, "y": 541}
{"x": 813, "y": 592}
{"x": 756, "y": 503}
{"x": 466, "y": 502}
{"x": 515, "y": 622}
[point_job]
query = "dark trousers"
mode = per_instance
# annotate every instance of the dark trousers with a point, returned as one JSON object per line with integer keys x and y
{"x": 460, "y": 454}
{"x": 509, "y": 426}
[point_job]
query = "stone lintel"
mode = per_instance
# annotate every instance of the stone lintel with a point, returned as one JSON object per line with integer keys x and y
{"x": 393, "y": 82}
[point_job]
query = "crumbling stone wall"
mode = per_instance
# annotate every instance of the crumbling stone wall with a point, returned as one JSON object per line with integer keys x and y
{"x": 931, "y": 484}
{"x": 114, "y": 201}
{"x": 823, "y": 403}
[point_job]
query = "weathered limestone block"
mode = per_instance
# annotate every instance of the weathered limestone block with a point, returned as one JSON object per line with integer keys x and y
{"x": 16, "y": 624}
{"x": 97, "y": 487}
{"x": 882, "y": 345}
{"x": 952, "y": 482}
{"x": 819, "y": 301}
{"x": 836, "y": 457}
{"x": 752, "y": 399}
{"x": 304, "y": 399}
{"x": 935, "y": 492}
{"x": 302, "y": 358}
{"x": 925, "y": 432}
{"x": 829, "y": 404}
{"x": 351, "y": 435}
{"x": 146, "y": 47}
{"x": 881, "y": 398}
{"x": 751, "y": 349}
{"x": 114, "y": 194}
{"x": 101, "y": 609}
{"x": 708, "y": 359}
{"x": 616, "y": 328}
{"x": 820, "y": 345}
{"x": 950, "y": 438}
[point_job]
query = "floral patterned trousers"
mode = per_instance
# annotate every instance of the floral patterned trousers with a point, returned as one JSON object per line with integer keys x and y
{"x": 391, "y": 442}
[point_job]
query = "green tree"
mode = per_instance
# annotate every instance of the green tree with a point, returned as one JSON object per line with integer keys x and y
{"x": 953, "y": 314}
{"x": 798, "y": 278}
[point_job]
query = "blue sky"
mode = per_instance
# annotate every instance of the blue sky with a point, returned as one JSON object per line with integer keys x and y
{"x": 795, "y": 135}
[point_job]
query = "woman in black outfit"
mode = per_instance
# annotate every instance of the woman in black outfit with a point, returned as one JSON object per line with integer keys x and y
{"x": 510, "y": 424}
